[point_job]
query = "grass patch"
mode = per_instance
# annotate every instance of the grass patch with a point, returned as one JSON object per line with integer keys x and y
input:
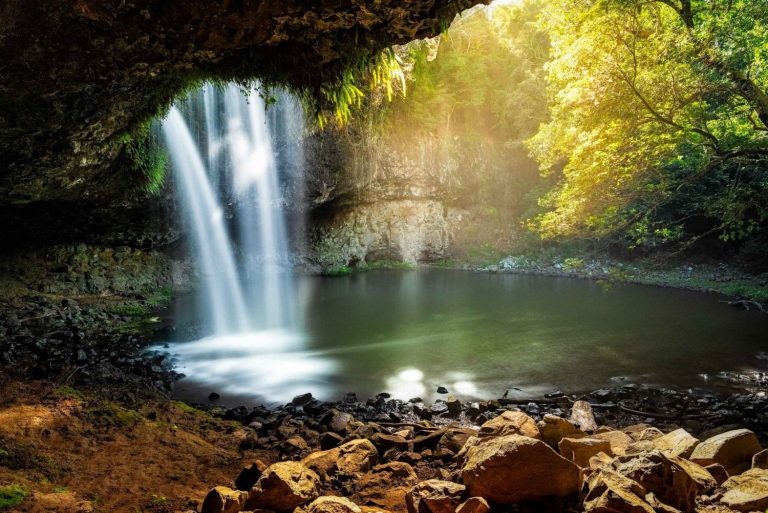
{"x": 12, "y": 495}
{"x": 109, "y": 415}
{"x": 338, "y": 270}
{"x": 391, "y": 264}
{"x": 16, "y": 456}
{"x": 67, "y": 392}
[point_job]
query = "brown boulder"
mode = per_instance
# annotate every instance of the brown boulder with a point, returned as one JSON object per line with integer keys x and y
{"x": 385, "y": 486}
{"x": 434, "y": 496}
{"x": 580, "y": 450}
{"x": 510, "y": 423}
{"x": 675, "y": 481}
{"x": 619, "y": 441}
{"x": 553, "y": 429}
{"x": 611, "y": 492}
{"x": 331, "y": 504}
{"x": 676, "y": 443}
{"x": 351, "y": 457}
{"x": 249, "y": 475}
{"x": 455, "y": 438}
{"x": 474, "y": 505}
{"x": 718, "y": 472}
{"x": 283, "y": 487}
{"x": 733, "y": 450}
{"x": 760, "y": 460}
{"x": 514, "y": 468}
{"x": 747, "y": 492}
{"x": 223, "y": 500}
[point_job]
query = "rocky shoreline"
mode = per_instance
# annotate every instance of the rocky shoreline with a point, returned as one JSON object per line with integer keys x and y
{"x": 555, "y": 454}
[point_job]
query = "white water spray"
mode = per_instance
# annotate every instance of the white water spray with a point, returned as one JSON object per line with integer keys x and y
{"x": 255, "y": 341}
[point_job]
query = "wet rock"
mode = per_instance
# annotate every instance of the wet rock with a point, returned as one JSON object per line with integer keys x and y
{"x": 223, "y": 500}
{"x": 580, "y": 450}
{"x": 510, "y": 423}
{"x": 442, "y": 390}
{"x": 301, "y": 400}
{"x": 676, "y": 443}
{"x": 330, "y": 440}
{"x": 454, "y": 439}
{"x": 434, "y": 496}
{"x": 283, "y": 487}
{"x": 249, "y": 475}
{"x": 213, "y": 396}
{"x": 439, "y": 408}
{"x": 331, "y": 504}
{"x": 474, "y": 505}
{"x": 513, "y": 468}
{"x": 747, "y": 492}
{"x": 582, "y": 416}
{"x": 733, "y": 450}
{"x": 337, "y": 421}
{"x": 553, "y": 429}
{"x": 454, "y": 405}
{"x": 384, "y": 441}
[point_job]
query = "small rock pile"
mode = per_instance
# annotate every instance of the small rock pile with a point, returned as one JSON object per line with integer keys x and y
{"x": 509, "y": 463}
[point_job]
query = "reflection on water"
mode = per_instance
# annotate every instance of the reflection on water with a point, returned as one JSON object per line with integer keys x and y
{"x": 475, "y": 334}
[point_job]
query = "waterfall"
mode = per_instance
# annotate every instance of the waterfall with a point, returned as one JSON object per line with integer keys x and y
{"x": 228, "y": 176}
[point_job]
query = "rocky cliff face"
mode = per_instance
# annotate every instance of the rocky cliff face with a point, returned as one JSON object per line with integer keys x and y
{"x": 79, "y": 77}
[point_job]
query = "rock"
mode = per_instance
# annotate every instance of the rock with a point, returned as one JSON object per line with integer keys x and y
{"x": 283, "y": 487}
{"x": 454, "y": 405}
{"x": 553, "y": 429}
{"x": 760, "y": 460}
{"x": 619, "y": 441}
{"x": 385, "y": 486}
{"x": 676, "y": 443}
{"x": 330, "y": 440}
{"x": 384, "y": 441}
{"x": 249, "y": 475}
{"x": 580, "y": 450}
{"x": 676, "y": 481}
{"x": 610, "y": 492}
{"x": 301, "y": 400}
{"x": 434, "y": 496}
{"x": 474, "y": 505}
{"x": 582, "y": 416}
{"x": 442, "y": 390}
{"x": 510, "y": 423}
{"x": 646, "y": 434}
{"x": 213, "y": 396}
{"x": 351, "y": 457}
{"x": 733, "y": 450}
{"x": 338, "y": 421}
{"x": 223, "y": 500}
{"x": 331, "y": 504}
{"x": 455, "y": 438}
{"x": 514, "y": 468}
{"x": 746, "y": 492}
{"x": 718, "y": 472}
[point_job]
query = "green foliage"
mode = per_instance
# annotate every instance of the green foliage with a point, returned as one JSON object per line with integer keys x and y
{"x": 148, "y": 158}
{"x": 337, "y": 270}
{"x": 67, "y": 392}
{"x": 106, "y": 414}
{"x": 658, "y": 129}
{"x": 12, "y": 495}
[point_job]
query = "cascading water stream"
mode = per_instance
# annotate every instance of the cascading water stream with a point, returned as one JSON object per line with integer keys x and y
{"x": 250, "y": 310}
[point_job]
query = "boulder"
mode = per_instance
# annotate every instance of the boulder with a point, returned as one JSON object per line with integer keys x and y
{"x": 249, "y": 475}
{"x": 733, "y": 450}
{"x": 474, "y": 505}
{"x": 648, "y": 433}
{"x": 582, "y": 416}
{"x": 349, "y": 458}
{"x": 514, "y": 468}
{"x": 610, "y": 492}
{"x": 384, "y": 441}
{"x": 331, "y": 504}
{"x": 330, "y": 440}
{"x": 760, "y": 460}
{"x": 455, "y": 438}
{"x": 434, "y": 496}
{"x": 676, "y": 443}
{"x": 510, "y": 423}
{"x": 675, "y": 481}
{"x": 580, "y": 450}
{"x": 553, "y": 429}
{"x": 718, "y": 472}
{"x": 224, "y": 500}
{"x": 619, "y": 441}
{"x": 385, "y": 486}
{"x": 746, "y": 492}
{"x": 283, "y": 487}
